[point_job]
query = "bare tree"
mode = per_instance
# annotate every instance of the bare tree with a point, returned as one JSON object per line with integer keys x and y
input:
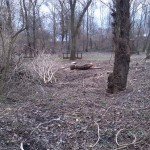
{"x": 87, "y": 30}
{"x": 148, "y": 38}
{"x": 121, "y": 28}
{"x": 75, "y": 26}
{"x": 63, "y": 14}
{"x": 53, "y": 12}
{"x": 34, "y": 3}
{"x": 139, "y": 17}
{"x": 8, "y": 37}
{"x": 27, "y": 23}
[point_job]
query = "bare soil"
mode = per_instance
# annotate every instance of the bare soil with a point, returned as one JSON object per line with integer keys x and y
{"x": 75, "y": 112}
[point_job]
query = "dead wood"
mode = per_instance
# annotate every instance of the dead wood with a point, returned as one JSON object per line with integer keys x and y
{"x": 81, "y": 67}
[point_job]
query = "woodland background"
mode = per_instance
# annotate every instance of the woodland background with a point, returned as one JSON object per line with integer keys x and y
{"x": 43, "y": 104}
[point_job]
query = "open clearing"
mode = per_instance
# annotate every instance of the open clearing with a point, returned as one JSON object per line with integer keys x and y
{"x": 75, "y": 112}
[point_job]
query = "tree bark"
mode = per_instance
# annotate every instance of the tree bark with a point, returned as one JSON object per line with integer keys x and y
{"x": 117, "y": 80}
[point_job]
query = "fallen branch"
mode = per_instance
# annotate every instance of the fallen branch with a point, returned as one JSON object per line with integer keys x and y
{"x": 83, "y": 67}
{"x": 21, "y": 146}
{"x": 44, "y": 123}
{"x": 124, "y": 145}
{"x": 98, "y": 136}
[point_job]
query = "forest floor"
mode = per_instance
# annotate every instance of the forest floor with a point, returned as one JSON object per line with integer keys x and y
{"x": 75, "y": 112}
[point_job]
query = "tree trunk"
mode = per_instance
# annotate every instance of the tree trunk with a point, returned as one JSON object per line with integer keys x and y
{"x": 75, "y": 27}
{"x": 27, "y": 24}
{"x": 34, "y": 24}
{"x": 73, "y": 34}
{"x": 148, "y": 52}
{"x": 73, "y": 48}
{"x": 62, "y": 23}
{"x": 54, "y": 32}
{"x": 147, "y": 40}
{"x": 121, "y": 27}
{"x": 87, "y": 31}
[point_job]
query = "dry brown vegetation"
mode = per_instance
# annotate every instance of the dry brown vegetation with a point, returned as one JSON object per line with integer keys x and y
{"x": 74, "y": 112}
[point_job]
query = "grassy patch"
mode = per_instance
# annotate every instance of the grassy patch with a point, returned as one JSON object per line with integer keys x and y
{"x": 97, "y": 56}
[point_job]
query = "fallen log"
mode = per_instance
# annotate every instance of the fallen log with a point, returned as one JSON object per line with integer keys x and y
{"x": 83, "y": 67}
{"x": 73, "y": 66}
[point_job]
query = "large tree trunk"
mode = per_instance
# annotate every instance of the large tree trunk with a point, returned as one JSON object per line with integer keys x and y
{"x": 75, "y": 27}
{"x": 73, "y": 48}
{"x": 62, "y": 23}
{"x": 121, "y": 27}
{"x": 73, "y": 36}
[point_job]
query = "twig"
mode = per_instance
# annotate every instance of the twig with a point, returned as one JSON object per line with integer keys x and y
{"x": 124, "y": 145}
{"x": 98, "y": 136}
{"x": 133, "y": 143}
{"x": 95, "y": 68}
{"x": 83, "y": 83}
{"x": 21, "y": 146}
{"x": 116, "y": 139}
{"x": 106, "y": 5}
{"x": 57, "y": 119}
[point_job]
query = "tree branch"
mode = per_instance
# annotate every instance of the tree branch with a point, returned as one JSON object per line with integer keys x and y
{"x": 81, "y": 16}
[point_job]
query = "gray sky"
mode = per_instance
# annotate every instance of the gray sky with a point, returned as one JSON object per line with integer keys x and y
{"x": 99, "y": 16}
